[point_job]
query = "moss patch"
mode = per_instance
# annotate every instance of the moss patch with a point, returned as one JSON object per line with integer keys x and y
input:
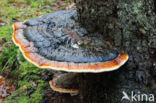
{"x": 27, "y": 78}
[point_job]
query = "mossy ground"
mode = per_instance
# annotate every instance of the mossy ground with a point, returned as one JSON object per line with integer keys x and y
{"x": 27, "y": 78}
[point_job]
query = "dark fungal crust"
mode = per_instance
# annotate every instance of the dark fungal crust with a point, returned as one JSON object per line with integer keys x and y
{"x": 63, "y": 88}
{"x": 31, "y": 53}
{"x": 61, "y": 42}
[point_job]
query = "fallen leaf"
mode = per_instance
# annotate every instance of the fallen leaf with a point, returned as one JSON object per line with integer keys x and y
{"x": 5, "y": 89}
{"x": 2, "y": 23}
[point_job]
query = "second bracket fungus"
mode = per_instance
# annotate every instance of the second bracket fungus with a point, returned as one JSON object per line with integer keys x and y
{"x": 65, "y": 83}
{"x": 58, "y": 42}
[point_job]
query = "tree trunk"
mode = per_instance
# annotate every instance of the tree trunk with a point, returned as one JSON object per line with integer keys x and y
{"x": 129, "y": 26}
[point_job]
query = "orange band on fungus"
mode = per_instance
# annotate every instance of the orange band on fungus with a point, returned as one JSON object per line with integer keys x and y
{"x": 61, "y": 89}
{"x": 29, "y": 52}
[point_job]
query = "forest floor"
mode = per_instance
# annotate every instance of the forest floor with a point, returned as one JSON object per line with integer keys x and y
{"x": 26, "y": 83}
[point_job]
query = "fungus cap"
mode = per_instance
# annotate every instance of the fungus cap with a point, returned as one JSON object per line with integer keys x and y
{"x": 56, "y": 41}
{"x": 64, "y": 83}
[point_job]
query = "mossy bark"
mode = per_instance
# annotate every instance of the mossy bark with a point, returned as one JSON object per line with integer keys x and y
{"x": 129, "y": 26}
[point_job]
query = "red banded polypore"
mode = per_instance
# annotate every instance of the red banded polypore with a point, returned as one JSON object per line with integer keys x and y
{"x": 64, "y": 83}
{"x": 47, "y": 45}
{"x": 30, "y": 53}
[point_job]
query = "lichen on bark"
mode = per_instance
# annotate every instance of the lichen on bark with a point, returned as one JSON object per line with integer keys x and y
{"x": 128, "y": 25}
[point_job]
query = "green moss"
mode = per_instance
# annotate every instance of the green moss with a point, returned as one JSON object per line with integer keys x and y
{"x": 37, "y": 95}
{"x": 5, "y": 32}
{"x": 18, "y": 97}
{"x": 12, "y": 62}
{"x": 8, "y": 58}
{"x": 22, "y": 95}
{"x": 26, "y": 72}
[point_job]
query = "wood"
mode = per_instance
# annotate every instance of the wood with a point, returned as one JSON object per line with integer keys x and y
{"x": 128, "y": 25}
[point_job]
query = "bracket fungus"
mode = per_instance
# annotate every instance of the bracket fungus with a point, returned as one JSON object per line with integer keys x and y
{"x": 57, "y": 41}
{"x": 65, "y": 83}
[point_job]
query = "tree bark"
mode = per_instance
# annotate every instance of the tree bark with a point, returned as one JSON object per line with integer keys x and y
{"x": 129, "y": 26}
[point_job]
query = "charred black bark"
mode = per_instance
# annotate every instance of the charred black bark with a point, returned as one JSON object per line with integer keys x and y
{"x": 130, "y": 26}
